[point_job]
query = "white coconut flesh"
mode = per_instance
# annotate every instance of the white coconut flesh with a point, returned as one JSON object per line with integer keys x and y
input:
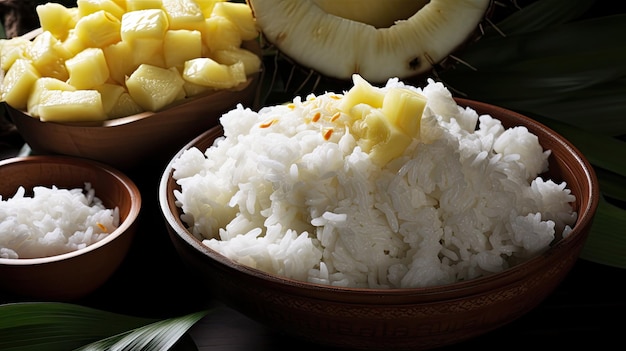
{"x": 314, "y": 34}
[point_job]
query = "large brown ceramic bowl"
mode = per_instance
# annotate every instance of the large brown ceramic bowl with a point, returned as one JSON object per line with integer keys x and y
{"x": 400, "y": 319}
{"x": 75, "y": 274}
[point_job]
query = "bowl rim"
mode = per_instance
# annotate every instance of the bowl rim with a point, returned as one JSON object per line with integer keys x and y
{"x": 585, "y": 218}
{"x": 128, "y": 184}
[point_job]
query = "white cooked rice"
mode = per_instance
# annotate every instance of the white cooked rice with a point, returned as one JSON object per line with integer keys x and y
{"x": 462, "y": 202}
{"x": 53, "y": 221}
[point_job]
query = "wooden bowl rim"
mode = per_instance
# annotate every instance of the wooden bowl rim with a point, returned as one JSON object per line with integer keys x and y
{"x": 585, "y": 217}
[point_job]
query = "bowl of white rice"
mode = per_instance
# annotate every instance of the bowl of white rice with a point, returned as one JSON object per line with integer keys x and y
{"x": 66, "y": 225}
{"x": 392, "y": 217}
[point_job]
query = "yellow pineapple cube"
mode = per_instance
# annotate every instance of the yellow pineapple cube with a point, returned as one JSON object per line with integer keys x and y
{"x": 361, "y": 93}
{"x": 87, "y": 7}
{"x": 124, "y": 106}
{"x": 181, "y": 45}
{"x": 42, "y": 84}
{"x": 12, "y": 49}
{"x": 153, "y": 88}
{"x": 251, "y": 61}
{"x": 404, "y": 108}
{"x": 73, "y": 43}
{"x": 220, "y": 34}
{"x": 192, "y": 89}
{"x": 48, "y": 56}
{"x": 241, "y": 15}
{"x": 147, "y": 51}
{"x": 136, "y": 5}
{"x": 145, "y": 24}
{"x": 116, "y": 101}
{"x": 87, "y": 69}
{"x": 109, "y": 93}
{"x": 56, "y": 19}
{"x": 98, "y": 29}
{"x": 208, "y": 72}
{"x": 183, "y": 14}
{"x": 206, "y": 6}
{"x": 378, "y": 137}
{"x": 119, "y": 61}
{"x": 69, "y": 106}
{"x": 121, "y": 3}
{"x": 18, "y": 82}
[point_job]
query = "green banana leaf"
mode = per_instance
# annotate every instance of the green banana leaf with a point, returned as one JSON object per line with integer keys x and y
{"x": 54, "y": 326}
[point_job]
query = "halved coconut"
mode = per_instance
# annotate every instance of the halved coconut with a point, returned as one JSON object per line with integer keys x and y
{"x": 376, "y": 39}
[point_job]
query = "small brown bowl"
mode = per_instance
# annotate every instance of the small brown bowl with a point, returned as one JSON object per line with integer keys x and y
{"x": 75, "y": 274}
{"x": 396, "y": 319}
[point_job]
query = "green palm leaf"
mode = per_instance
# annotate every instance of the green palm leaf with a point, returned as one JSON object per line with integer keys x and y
{"x": 606, "y": 244}
{"x": 60, "y": 326}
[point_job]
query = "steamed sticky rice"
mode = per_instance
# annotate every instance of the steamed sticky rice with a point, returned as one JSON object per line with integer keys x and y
{"x": 53, "y": 221}
{"x": 280, "y": 193}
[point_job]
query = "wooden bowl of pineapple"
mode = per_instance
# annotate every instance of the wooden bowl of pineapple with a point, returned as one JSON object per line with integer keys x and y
{"x": 128, "y": 86}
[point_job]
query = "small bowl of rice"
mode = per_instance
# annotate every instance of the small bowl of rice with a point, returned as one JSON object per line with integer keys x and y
{"x": 66, "y": 225}
{"x": 392, "y": 217}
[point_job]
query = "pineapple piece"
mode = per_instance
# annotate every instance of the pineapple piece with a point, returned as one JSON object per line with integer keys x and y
{"x": 137, "y": 5}
{"x": 181, "y": 45}
{"x": 378, "y": 137}
{"x": 206, "y": 6}
{"x": 118, "y": 62}
{"x": 117, "y": 102}
{"x": 241, "y": 15}
{"x": 210, "y": 73}
{"x": 149, "y": 23}
{"x": 220, "y": 34}
{"x": 18, "y": 82}
{"x": 251, "y": 61}
{"x": 148, "y": 51}
{"x": 73, "y": 43}
{"x": 109, "y": 94}
{"x": 404, "y": 109}
{"x": 87, "y": 7}
{"x": 183, "y": 14}
{"x": 154, "y": 87}
{"x": 121, "y": 3}
{"x": 11, "y": 50}
{"x": 124, "y": 106}
{"x": 192, "y": 89}
{"x": 56, "y": 19}
{"x": 385, "y": 123}
{"x": 144, "y": 31}
{"x": 87, "y": 69}
{"x": 98, "y": 29}
{"x": 48, "y": 56}
{"x": 71, "y": 106}
{"x": 42, "y": 84}
{"x": 361, "y": 92}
